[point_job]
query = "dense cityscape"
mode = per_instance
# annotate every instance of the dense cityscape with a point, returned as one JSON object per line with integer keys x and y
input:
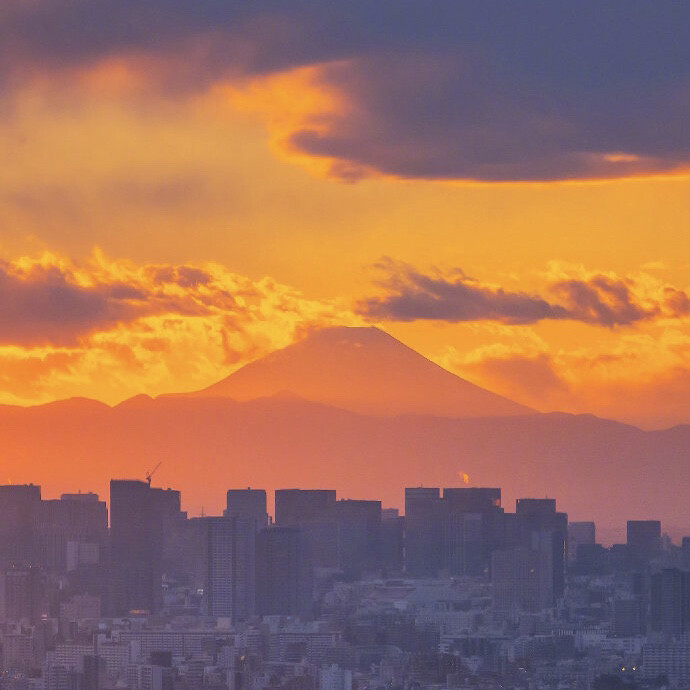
{"x": 333, "y": 594}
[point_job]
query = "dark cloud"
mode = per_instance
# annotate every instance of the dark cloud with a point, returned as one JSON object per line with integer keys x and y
{"x": 490, "y": 90}
{"x": 42, "y": 306}
{"x": 410, "y": 295}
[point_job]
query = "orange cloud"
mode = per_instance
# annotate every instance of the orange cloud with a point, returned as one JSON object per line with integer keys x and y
{"x": 110, "y": 329}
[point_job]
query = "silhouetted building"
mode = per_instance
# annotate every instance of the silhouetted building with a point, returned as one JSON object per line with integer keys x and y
{"x": 230, "y": 588}
{"x": 19, "y": 508}
{"x": 295, "y": 506}
{"x": 359, "y": 535}
{"x": 136, "y": 536}
{"x": 629, "y": 617}
{"x": 644, "y": 540}
{"x": 423, "y": 531}
{"x": 580, "y": 533}
{"x": 392, "y": 540}
{"x": 247, "y": 503}
{"x": 670, "y": 602}
{"x": 283, "y": 572}
{"x": 472, "y": 529}
{"x": 522, "y": 580}
{"x": 540, "y": 527}
{"x": 23, "y": 596}
{"x": 71, "y": 531}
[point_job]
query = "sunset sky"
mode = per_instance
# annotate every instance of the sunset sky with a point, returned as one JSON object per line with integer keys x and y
{"x": 503, "y": 186}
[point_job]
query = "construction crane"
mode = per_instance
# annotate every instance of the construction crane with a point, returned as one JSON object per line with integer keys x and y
{"x": 150, "y": 473}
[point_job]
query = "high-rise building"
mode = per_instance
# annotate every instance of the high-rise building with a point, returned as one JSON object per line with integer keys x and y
{"x": 540, "y": 527}
{"x": 230, "y": 554}
{"x": 295, "y": 506}
{"x": 136, "y": 540}
{"x": 248, "y": 503}
{"x": 423, "y": 531}
{"x": 644, "y": 540}
{"x": 522, "y": 580}
{"x": 580, "y": 533}
{"x": 284, "y": 585}
{"x": 472, "y": 529}
{"x": 77, "y": 519}
{"x": 392, "y": 540}
{"x": 359, "y": 535}
{"x": 670, "y": 602}
{"x": 19, "y": 508}
{"x": 22, "y": 595}
{"x": 629, "y": 617}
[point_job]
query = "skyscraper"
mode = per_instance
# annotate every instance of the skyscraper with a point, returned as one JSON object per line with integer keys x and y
{"x": 80, "y": 519}
{"x": 248, "y": 503}
{"x": 540, "y": 527}
{"x": 230, "y": 556}
{"x": 522, "y": 580}
{"x": 283, "y": 572}
{"x": 423, "y": 531}
{"x": 294, "y": 506}
{"x": 644, "y": 540}
{"x": 136, "y": 546}
{"x": 472, "y": 529}
{"x": 670, "y": 602}
{"x": 579, "y": 533}
{"x": 19, "y": 507}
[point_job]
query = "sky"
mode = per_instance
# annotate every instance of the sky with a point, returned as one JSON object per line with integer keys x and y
{"x": 503, "y": 186}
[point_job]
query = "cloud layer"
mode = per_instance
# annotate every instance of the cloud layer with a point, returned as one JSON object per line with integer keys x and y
{"x": 597, "y": 299}
{"x": 483, "y": 90}
{"x": 111, "y": 329}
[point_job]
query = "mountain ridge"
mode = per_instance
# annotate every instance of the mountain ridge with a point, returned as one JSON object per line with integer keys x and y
{"x": 364, "y": 370}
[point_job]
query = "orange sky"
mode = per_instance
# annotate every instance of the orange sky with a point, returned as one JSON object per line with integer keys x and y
{"x": 112, "y": 185}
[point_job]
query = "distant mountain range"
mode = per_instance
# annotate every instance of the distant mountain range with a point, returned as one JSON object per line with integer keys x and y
{"x": 356, "y": 410}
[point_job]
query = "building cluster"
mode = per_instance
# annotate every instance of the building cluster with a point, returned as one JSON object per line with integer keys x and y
{"x": 332, "y": 594}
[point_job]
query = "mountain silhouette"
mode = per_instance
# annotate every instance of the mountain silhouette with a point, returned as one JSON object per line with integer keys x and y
{"x": 364, "y": 370}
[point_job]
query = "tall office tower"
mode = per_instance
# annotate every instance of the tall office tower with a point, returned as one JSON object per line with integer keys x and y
{"x": 230, "y": 588}
{"x": 670, "y": 602}
{"x": 644, "y": 540}
{"x": 538, "y": 523}
{"x": 283, "y": 572}
{"x": 580, "y": 533}
{"x": 472, "y": 529}
{"x": 359, "y": 535}
{"x": 248, "y": 503}
{"x": 170, "y": 523}
{"x": 313, "y": 511}
{"x": 73, "y": 521}
{"x": 522, "y": 581}
{"x": 629, "y": 617}
{"x": 135, "y": 547}
{"x": 19, "y": 506}
{"x": 392, "y": 540}
{"x": 423, "y": 531}
{"x": 685, "y": 552}
{"x": 23, "y": 596}
{"x": 295, "y": 506}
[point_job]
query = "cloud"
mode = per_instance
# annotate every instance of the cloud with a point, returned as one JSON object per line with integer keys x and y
{"x": 110, "y": 329}
{"x": 494, "y": 91}
{"x": 412, "y": 295}
{"x": 642, "y": 378}
{"x": 597, "y": 299}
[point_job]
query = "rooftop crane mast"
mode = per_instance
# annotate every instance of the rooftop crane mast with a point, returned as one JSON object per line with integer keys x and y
{"x": 150, "y": 473}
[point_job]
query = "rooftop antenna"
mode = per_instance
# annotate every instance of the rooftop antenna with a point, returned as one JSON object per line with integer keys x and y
{"x": 150, "y": 473}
